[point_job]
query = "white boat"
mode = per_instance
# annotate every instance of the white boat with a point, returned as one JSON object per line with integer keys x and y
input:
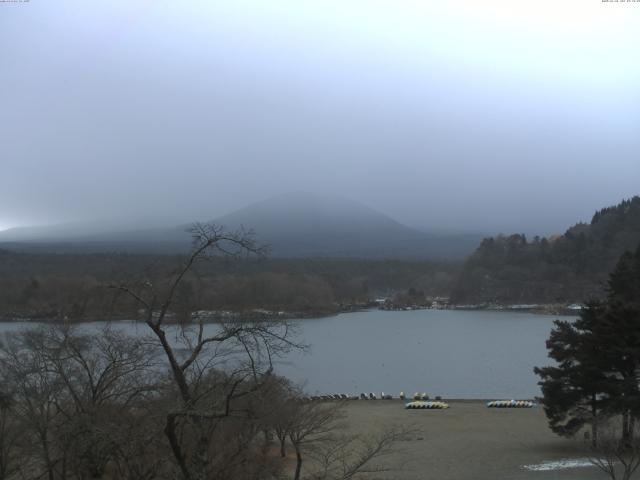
{"x": 510, "y": 404}
{"x": 427, "y": 405}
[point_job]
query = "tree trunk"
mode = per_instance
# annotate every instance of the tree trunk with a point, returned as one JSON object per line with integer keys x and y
{"x": 170, "y": 432}
{"x": 47, "y": 456}
{"x": 594, "y": 423}
{"x": 298, "y": 462}
{"x": 283, "y": 447}
{"x": 267, "y": 441}
{"x": 625, "y": 426}
{"x": 202, "y": 455}
{"x": 178, "y": 374}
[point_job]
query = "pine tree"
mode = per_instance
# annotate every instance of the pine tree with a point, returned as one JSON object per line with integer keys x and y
{"x": 574, "y": 389}
{"x": 598, "y": 359}
{"x": 619, "y": 334}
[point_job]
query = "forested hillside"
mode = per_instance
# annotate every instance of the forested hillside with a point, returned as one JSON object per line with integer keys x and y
{"x": 74, "y": 286}
{"x": 566, "y": 268}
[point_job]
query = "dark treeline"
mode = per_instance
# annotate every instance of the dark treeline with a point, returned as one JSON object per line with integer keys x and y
{"x": 566, "y": 268}
{"x": 74, "y": 286}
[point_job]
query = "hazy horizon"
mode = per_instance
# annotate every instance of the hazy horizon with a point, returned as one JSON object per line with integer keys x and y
{"x": 498, "y": 117}
{"x": 123, "y": 224}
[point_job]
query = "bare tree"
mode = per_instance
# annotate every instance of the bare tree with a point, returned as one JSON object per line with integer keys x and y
{"x": 346, "y": 456}
{"x": 10, "y": 434}
{"x": 282, "y": 410}
{"x": 203, "y": 405}
{"x": 71, "y": 393}
{"x": 36, "y": 393}
{"x": 309, "y": 425}
{"x": 617, "y": 454}
{"x": 317, "y": 431}
{"x": 141, "y": 452}
{"x": 104, "y": 376}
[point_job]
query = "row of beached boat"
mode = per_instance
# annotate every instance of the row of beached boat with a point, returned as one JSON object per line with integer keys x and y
{"x": 343, "y": 396}
{"x": 419, "y": 396}
{"x": 418, "y": 404}
{"x": 365, "y": 396}
{"x": 420, "y": 400}
{"x": 510, "y": 404}
{"x": 328, "y": 398}
{"x": 426, "y": 405}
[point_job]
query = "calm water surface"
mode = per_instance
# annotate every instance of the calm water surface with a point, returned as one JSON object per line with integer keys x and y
{"x": 453, "y": 353}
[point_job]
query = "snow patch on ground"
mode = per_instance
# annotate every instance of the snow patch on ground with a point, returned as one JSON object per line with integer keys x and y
{"x": 559, "y": 464}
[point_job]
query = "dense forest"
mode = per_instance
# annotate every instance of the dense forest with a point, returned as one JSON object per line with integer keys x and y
{"x": 76, "y": 286}
{"x": 567, "y": 268}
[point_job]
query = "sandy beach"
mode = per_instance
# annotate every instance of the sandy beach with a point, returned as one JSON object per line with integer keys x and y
{"x": 471, "y": 441}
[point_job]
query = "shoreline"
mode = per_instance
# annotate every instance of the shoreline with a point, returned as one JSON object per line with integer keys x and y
{"x": 266, "y": 315}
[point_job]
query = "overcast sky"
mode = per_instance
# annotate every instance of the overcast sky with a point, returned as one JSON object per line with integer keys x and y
{"x": 489, "y": 116}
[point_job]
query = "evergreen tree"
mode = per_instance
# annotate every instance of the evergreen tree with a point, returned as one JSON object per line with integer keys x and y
{"x": 598, "y": 359}
{"x": 574, "y": 390}
{"x": 619, "y": 334}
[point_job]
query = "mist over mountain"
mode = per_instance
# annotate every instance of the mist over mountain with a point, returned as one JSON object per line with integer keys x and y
{"x": 292, "y": 225}
{"x": 300, "y": 224}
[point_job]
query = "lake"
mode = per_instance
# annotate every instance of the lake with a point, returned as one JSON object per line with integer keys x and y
{"x": 452, "y": 353}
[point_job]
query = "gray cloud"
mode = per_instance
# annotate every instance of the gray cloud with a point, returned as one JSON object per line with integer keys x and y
{"x": 169, "y": 111}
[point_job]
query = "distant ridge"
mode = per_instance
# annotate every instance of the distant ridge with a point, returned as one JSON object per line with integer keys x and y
{"x": 295, "y": 224}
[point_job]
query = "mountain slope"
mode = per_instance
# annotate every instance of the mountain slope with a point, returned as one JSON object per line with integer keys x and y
{"x": 566, "y": 268}
{"x": 300, "y": 224}
{"x": 292, "y": 225}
